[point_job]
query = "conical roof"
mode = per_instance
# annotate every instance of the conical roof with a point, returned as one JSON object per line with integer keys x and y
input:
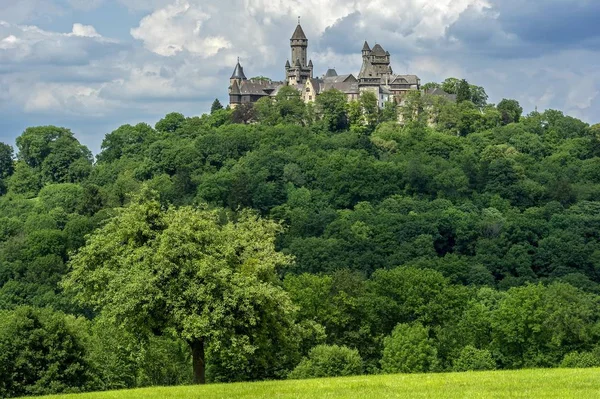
{"x": 287, "y": 64}
{"x": 366, "y": 47}
{"x": 238, "y": 72}
{"x": 299, "y": 34}
{"x": 310, "y": 63}
{"x": 298, "y": 62}
{"x": 378, "y": 50}
{"x": 235, "y": 89}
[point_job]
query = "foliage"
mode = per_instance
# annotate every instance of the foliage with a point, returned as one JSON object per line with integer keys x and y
{"x": 409, "y": 350}
{"x": 42, "y": 352}
{"x": 473, "y": 226}
{"x": 473, "y": 359}
{"x": 581, "y": 360}
{"x": 6, "y": 161}
{"x": 328, "y": 361}
{"x": 216, "y": 106}
{"x": 210, "y": 281}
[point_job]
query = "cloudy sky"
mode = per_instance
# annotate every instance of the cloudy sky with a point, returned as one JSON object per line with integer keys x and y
{"x": 93, "y": 65}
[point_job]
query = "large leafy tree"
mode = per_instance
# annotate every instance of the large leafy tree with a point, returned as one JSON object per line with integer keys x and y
{"x": 207, "y": 278}
{"x": 55, "y": 154}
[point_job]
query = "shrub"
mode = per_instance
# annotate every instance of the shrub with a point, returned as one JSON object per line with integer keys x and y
{"x": 409, "y": 350}
{"x": 473, "y": 359}
{"x": 581, "y": 360}
{"x": 42, "y": 352}
{"x": 328, "y": 361}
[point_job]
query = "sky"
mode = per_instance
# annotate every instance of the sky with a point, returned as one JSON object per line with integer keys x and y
{"x": 94, "y": 65}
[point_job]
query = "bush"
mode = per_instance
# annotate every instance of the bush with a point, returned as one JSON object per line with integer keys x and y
{"x": 328, "y": 361}
{"x": 409, "y": 350}
{"x": 473, "y": 359}
{"x": 42, "y": 352}
{"x": 581, "y": 360}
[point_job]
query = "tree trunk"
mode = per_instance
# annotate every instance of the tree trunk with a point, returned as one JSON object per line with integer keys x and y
{"x": 198, "y": 361}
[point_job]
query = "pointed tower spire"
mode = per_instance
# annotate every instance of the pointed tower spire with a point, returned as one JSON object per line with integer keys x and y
{"x": 238, "y": 72}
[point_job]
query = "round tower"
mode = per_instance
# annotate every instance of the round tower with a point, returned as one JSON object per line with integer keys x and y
{"x": 299, "y": 45}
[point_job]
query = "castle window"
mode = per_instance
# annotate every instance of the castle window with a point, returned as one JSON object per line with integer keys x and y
{"x": 308, "y": 89}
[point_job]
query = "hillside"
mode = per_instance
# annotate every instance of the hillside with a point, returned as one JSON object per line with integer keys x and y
{"x": 538, "y": 384}
{"x": 293, "y": 240}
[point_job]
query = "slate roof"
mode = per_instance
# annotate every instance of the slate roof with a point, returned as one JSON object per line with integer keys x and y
{"x": 378, "y": 50}
{"x": 339, "y": 78}
{"x": 404, "y": 79}
{"x": 259, "y": 87}
{"x": 299, "y": 34}
{"x": 331, "y": 73}
{"x": 238, "y": 72}
{"x": 344, "y": 87}
{"x": 439, "y": 92}
{"x": 366, "y": 47}
{"x": 235, "y": 89}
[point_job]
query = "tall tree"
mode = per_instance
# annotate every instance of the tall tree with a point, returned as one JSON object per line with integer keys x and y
{"x": 208, "y": 279}
{"x": 7, "y": 163}
{"x": 331, "y": 108}
{"x": 463, "y": 92}
{"x": 216, "y": 105}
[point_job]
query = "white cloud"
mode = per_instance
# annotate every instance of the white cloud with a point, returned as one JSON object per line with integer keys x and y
{"x": 10, "y": 41}
{"x": 178, "y": 27}
{"x": 181, "y": 53}
{"x": 84, "y": 31}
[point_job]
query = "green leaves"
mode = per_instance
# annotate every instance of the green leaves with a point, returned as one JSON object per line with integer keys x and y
{"x": 206, "y": 275}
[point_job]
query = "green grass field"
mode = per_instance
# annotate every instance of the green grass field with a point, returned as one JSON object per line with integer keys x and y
{"x": 551, "y": 383}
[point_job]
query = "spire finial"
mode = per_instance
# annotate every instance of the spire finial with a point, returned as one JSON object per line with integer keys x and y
{"x": 238, "y": 60}
{"x": 298, "y": 20}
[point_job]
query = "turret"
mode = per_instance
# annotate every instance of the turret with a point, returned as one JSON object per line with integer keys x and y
{"x": 366, "y": 50}
{"x": 238, "y": 74}
{"x": 310, "y": 66}
{"x": 299, "y": 45}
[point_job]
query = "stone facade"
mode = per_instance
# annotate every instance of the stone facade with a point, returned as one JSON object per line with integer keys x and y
{"x": 376, "y": 75}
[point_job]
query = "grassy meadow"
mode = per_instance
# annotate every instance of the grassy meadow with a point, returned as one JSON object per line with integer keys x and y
{"x": 539, "y": 384}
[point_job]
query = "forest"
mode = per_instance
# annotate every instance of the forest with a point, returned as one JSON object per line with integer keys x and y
{"x": 291, "y": 240}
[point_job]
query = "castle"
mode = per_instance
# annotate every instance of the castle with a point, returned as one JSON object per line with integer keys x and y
{"x": 376, "y": 75}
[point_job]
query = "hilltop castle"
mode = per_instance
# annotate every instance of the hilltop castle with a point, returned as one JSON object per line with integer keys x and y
{"x": 376, "y": 75}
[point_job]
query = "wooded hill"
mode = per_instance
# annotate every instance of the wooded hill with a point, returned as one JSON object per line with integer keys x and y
{"x": 293, "y": 240}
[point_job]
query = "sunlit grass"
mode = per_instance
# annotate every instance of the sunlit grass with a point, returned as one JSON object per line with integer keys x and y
{"x": 548, "y": 383}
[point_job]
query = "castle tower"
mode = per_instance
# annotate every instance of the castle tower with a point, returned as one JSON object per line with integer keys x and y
{"x": 235, "y": 82}
{"x": 238, "y": 74}
{"x": 366, "y": 50}
{"x": 299, "y": 45}
{"x": 299, "y": 70}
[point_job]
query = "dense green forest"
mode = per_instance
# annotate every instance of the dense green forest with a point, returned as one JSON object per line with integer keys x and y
{"x": 286, "y": 240}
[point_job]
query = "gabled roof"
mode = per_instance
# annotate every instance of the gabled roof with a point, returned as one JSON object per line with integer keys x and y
{"x": 238, "y": 72}
{"x": 339, "y": 78}
{"x": 404, "y": 79}
{"x": 299, "y": 34}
